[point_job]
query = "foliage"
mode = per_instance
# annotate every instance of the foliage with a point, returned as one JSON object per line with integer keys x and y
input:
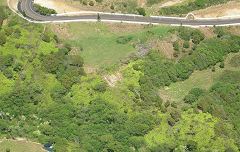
{"x": 193, "y": 95}
{"x": 192, "y": 131}
{"x": 141, "y": 11}
{"x": 152, "y": 2}
{"x": 189, "y": 6}
{"x": 43, "y": 10}
{"x": 3, "y": 39}
{"x": 160, "y": 72}
{"x": 47, "y": 97}
{"x": 124, "y": 39}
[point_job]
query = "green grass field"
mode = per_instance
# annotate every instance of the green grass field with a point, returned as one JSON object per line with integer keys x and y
{"x": 3, "y": 2}
{"x": 201, "y": 79}
{"x": 20, "y": 146}
{"x": 99, "y": 44}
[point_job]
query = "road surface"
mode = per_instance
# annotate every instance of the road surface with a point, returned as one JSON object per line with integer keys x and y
{"x": 26, "y": 8}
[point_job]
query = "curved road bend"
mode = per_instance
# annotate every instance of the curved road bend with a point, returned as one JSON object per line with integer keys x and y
{"x": 26, "y": 7}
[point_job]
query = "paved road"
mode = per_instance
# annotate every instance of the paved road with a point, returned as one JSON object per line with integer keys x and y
{"x": 26, "y": 8}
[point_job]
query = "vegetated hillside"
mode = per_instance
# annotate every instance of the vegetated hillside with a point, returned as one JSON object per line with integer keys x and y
{"x": 190, "y": 6}
{"x": 46, "y": 95}
{"x": 147, "y": 7}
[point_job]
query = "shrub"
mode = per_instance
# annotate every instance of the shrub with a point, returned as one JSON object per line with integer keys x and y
{"x": 152, "y": 2}
{"x": 213, "y": 69}
{"x": 8, "y": 150}
{"x": 43, "y": 10}
{"x": 186, "y": 44}
{"x": 91, "y": 3}
{"x": 3, "y": 38}
{"x": 112, "y": 7}
{"x": 124, "y": 39}
{"x": 197, "y": 36}
{"x": 99, "y": 1}
{"x": 176, "y": 46}
{"x": 141, "y": 11}
{"x": 222, "y": 65}
{"x": 193, "y": 95}
{"x": 84, "y": 2}
{"x": 100, "y": 87}
{"x": 46, "y": 38}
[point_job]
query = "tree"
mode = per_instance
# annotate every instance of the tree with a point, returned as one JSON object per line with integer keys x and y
{"x": 91, "y": 3}
{"x": 46, "y": 37}
{"x": 141, "y": 11}
{"x": 75, "y": 60}
{"x": 8, "y": 150}
{"x": 222, "y": 65}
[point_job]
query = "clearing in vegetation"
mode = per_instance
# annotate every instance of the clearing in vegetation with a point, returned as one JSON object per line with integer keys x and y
{"x": 46, "y": 95}
{"x": 100, "y": 46}
{"x": 200, "y": 79}
{"x": 20, "y": 146}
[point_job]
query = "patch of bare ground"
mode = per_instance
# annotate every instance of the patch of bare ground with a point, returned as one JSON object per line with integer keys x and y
{"x": 113, "y": 79}
{"x": 154, "y": 9}
{"x": 123, "y": 27}
{"x": 170, "y": 3}
{"x": 90, "y": 69}
{"x": 61, "y": 30}
{"x": 165, "y": 96}
{"x": 13, "y": 4}
{"x": 20, "y": 145}
{"x": 163, "y": 46}
{"x": 230, "y": 9}
{"x": 208, "y": 32}
{"x": 235, "y": 30}
{"x": 61, "y": 6}
{"x": 141, "y": 3}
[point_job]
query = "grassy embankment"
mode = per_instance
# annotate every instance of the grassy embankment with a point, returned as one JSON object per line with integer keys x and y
{"x": 101, "y": 47}
{"x": 20, "y": 146}
{"x": 200, "y": 79}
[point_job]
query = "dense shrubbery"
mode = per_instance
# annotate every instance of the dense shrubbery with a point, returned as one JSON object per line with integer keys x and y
{"x": 223, "y": 101}
{"x": 43, "y": 10}
{"x": 141, "y": 11}
{"x": 46, "y": 96}
{"x": 159, "y": 72}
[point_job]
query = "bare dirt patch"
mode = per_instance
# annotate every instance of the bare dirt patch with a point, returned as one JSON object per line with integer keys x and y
{"x": 164, "y": 95}
{"x": 89, "y": 69}
{"x": 230, "y": 9}
{"x": 171, "y": 3}
{"x": 61, "y": 30}
{"x": 208, "y": 32}
{"x": 235, "y": 30}
{"x": 141, "y": 3}
{"x": 163, "y": 46}
{"x": 113, "y": 79}
{"x": 61, "y": 6}
{"x": 13, "y": 4}
{"x": 20, "y": 145}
